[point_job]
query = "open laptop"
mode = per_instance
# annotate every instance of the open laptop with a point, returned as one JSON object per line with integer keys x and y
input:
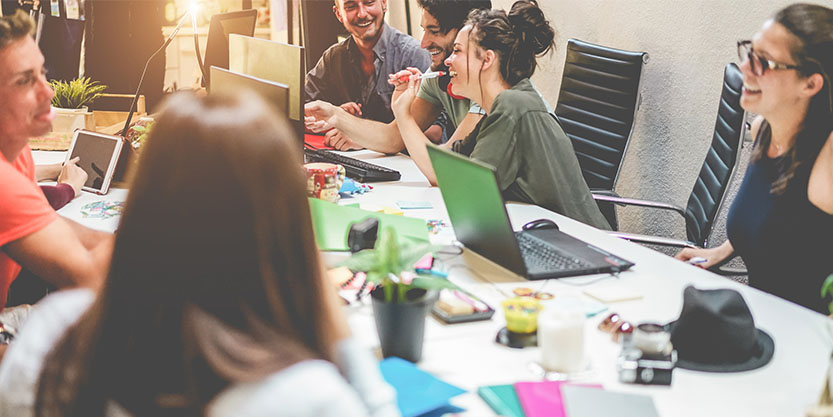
{"x": 480, "y": 221}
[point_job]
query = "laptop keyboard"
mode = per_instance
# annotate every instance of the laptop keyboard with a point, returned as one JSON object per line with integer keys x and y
{"x": 541, "y": 256}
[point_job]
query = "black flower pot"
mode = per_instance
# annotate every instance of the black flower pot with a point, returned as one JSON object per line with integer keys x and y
{"x": 401, "y": 324}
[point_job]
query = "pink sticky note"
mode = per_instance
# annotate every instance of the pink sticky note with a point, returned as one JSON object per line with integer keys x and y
{"x": 426, "y": 262}
{"x": 543, "y": 398}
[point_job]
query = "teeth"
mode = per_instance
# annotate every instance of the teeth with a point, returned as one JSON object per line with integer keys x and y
{"x": 364, "y": 25}
{"x": 750, "y": 89}
{"x": 452, "y": 73}
{"x": 434, "y": 53}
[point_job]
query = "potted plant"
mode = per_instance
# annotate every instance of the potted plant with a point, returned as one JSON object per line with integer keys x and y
{"x": 70, "y": 101}
{"x": 401, "y": 296}
{"x": 824, "y": 408}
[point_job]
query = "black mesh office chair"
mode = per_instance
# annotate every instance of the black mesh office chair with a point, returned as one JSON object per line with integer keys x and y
{"x": 715, "y": 175}
{"x": 596, "y": 106}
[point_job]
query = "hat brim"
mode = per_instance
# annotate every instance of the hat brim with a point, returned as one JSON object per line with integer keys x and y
{"x": 766, "y": 348}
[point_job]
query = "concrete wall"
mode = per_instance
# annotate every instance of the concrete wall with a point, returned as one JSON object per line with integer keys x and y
{"x": 689, "y": 43}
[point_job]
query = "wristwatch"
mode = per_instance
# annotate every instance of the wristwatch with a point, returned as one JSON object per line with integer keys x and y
{"x": 6, "y": 334}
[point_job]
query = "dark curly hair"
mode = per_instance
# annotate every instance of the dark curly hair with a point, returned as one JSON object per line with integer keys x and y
{"x": 518, "y": 37}
{"x": 15, "y": 27}
{"x": 812, "y": 48}
{"x": 451, "y": 14}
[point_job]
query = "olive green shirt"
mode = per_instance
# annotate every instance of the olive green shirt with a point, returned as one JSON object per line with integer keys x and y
{"x": 533, "y": 157}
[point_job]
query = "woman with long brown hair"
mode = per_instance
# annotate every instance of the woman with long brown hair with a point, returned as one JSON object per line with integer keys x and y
{"x": 781, "y": 221}
{"x": 494, "y": 55}
{"x": 215, "y": 302}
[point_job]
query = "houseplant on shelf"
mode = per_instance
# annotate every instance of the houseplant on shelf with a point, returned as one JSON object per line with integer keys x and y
{"x": 70, "y": 101}
{"x": 824, "y": 408}
{"x": 401, "y": 297}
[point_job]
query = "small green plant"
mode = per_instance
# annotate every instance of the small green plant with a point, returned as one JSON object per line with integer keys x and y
{"x": 391, "y": 265}
{"x": 827, "y": 288}
{"x": 76, "y": 93}
{"x": 142, "y": 133}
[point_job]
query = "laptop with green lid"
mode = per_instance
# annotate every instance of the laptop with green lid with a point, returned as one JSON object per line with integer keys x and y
{"x": 478, "y": 215}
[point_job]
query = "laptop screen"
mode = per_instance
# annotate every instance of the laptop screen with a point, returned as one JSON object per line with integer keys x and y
{"x": 476, "y": 208}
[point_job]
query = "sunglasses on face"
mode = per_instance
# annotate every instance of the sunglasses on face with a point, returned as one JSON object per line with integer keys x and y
{"x": 757, "y": 63}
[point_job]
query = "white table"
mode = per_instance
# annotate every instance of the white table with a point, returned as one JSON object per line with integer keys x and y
{"x": 466, "y": 354}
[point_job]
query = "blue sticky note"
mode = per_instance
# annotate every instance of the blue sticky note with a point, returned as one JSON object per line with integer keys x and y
{"x": 417, "y": 391}
{"x": 414, "y": 205}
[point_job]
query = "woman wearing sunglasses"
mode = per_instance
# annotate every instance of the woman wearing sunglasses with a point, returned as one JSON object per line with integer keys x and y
{"x": 781, "y": 222}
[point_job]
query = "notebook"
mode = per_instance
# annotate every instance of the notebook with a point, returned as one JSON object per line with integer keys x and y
{"x": 418, "y": 393}
{"x": 502, "y": 399}
{"x": 587, "y": 402}
{"x": 478, "y": 215}
{"x": 544, "y": 398}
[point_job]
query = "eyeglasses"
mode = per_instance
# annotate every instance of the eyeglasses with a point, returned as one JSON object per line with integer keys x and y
{"x": 757, "y": 63}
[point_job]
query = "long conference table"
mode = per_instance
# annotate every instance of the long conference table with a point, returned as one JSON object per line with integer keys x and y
{"x": 467, "y": 355}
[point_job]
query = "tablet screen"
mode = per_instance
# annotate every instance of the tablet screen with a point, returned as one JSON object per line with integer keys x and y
{"x": 96, "y": 152}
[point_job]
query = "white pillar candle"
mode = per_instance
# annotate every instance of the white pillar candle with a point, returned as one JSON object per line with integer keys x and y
{"x": 561, "y": 338}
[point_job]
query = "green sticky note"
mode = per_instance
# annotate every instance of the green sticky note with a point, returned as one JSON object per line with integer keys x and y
{"x": 330, "y": 223}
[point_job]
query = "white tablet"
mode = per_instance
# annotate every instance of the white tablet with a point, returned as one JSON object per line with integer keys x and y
{"x": 99, "y": 155}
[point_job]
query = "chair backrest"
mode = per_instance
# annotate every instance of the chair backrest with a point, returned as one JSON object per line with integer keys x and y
{"x": 719, "y": 166}
{"x": 596, "y": 105}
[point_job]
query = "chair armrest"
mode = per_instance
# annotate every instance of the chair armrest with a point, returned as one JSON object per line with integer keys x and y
{"x": 610, "y": 193}
{"x": 720, "y": 270}
{"x": 639, "y": 203}
{"x": 654, "y": 240}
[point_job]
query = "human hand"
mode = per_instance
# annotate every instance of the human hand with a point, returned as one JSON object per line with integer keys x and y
{"x": 319, "y": 116}
{"x": 73, "y": 175}
{"x": 337, "y": 140}
{"x": 353, "y": 108}
{"x": 701, "y": 258}
{"x": 401, "y": 104}
{"x": 400, "y": 80}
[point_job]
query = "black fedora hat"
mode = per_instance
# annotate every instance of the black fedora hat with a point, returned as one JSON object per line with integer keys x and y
{"x": 716, "y": 333}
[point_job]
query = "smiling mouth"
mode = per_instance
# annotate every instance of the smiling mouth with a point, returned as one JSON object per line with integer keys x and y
{"x": 750, "y": 90}
{"x": 452, "y": 74}
{"x": 365, "y": 24}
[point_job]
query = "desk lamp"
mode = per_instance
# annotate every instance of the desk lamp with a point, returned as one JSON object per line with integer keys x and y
{"x": 193, "y": 9}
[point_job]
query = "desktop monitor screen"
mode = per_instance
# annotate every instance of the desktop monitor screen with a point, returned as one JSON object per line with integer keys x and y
{"x": 216, "y": 49}
{"x": 273, "y": 61}
{"x": 229, "y": 81}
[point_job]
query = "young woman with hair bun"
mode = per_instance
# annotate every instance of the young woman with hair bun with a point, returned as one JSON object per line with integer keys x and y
{"x": 494, "y": 55}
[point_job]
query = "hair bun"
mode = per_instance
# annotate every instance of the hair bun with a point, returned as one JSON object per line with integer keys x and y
{"x": 532, "y": 27}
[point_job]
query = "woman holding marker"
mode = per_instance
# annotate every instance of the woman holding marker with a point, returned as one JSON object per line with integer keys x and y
{"x": 494, "y": 56}
{"x": 781, "y": 221}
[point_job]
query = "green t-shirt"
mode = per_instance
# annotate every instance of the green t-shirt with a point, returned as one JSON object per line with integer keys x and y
{"x": 431, "y": 92}
{"x": 533, "y": 157}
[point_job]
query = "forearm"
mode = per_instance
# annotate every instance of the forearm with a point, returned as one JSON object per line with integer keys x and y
{"x": 90, "y": 238}
{"x": 373, "y": 135}
{"x": 415, "y": 140}
{"x": 48, "y": 172}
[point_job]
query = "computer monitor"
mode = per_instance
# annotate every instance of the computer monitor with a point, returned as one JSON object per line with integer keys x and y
{"x": 273, "y": 61}
{"x": 216, "y": 48}
{"x": 321, "y": 29}
{"x": 223, "y": 80}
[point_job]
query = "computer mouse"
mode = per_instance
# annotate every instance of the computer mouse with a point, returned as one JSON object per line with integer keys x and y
{"x": 541, "y": 224}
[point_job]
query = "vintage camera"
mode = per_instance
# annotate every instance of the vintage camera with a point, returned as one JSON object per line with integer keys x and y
{"x": 642, "y": 361}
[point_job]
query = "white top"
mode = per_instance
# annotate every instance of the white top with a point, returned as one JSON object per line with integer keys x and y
{"x": 308, "y": 388}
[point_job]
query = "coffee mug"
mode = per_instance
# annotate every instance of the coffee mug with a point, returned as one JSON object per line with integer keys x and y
{"x": 561, "y": 338}
{"x": 324, "y": 180}
{"x": 652, "y": 339}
